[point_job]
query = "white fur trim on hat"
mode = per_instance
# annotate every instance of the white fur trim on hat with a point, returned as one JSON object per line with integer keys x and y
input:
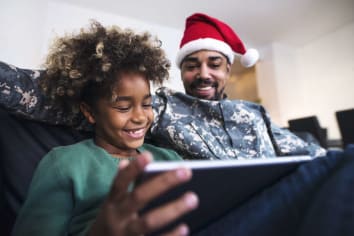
{"x": 249, "y": 58}
{"x": 204, "y": 44}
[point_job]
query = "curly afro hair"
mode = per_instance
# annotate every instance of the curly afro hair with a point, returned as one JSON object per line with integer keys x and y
{"x": 84, "y": 67}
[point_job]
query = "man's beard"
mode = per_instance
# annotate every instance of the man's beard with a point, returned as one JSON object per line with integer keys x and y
{"x": 207, "y": 82}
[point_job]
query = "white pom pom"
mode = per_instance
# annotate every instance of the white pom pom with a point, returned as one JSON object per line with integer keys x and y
{"x": 250, "y": 57}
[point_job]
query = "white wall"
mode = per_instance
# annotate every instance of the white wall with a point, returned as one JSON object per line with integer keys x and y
{"x": 280, "y": 85}
{"x": 22, "y": 27}
{"x": 28, "y": 27}
{"x": 316, "y": 79}
{"x": 327, "y": 67}
{"x": 267, "y": 83}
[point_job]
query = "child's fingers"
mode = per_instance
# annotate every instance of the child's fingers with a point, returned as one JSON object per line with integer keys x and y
{"x": 180, "y": 230}
{"x": 160, "y": 184}
{"x": 123, "y": 164}
{"x": 154, "y": 187}
{"x": 163, "y": 215}
{"x": 128, "y": 172}
{"x": 169, "y": 212}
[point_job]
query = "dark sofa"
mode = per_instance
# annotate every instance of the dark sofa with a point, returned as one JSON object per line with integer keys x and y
{"x": 22, "y": 145}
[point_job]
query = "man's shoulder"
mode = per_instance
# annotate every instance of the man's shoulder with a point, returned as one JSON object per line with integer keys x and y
{"x": 9, "y": 71}
{"x": 165, "y": 91}
{"x": 173, "y": 94}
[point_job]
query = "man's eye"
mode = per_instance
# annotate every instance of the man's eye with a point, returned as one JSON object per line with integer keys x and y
{"x": 190, "y": 67}
{"x": 215, "y": 66}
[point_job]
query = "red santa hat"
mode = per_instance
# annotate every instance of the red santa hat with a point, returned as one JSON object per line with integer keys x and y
{"x": 205, "y": 32}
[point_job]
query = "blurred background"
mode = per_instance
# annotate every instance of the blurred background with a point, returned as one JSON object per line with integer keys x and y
{"x": 306, "y": 46}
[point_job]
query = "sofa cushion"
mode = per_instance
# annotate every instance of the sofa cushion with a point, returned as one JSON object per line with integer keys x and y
{"x": 23, "y": 143}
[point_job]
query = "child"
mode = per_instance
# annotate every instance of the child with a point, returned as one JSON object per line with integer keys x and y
{"x": 105, "y": 74}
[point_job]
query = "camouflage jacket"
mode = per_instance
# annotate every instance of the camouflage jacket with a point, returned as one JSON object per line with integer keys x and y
{"x": 195, "y": 128}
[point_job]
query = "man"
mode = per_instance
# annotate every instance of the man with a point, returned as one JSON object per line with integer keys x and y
{"x": 200, "y": 125}
{"x": 204, "y": 124}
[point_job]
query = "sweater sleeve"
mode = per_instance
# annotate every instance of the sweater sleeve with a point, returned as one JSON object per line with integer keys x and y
{"x": 49, "y": 203}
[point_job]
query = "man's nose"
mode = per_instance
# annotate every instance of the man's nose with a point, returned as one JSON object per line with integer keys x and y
{"x": 204, "y": 72}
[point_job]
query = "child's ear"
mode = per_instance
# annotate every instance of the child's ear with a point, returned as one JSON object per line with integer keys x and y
{"x": 88, "y": 113}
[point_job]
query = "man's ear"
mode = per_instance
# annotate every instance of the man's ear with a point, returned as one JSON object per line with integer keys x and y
{"x": 88, "y": 113}
{"x": 228, "y": 68}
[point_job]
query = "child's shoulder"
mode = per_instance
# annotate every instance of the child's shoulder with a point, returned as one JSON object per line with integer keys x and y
{"x": 82, "y": 156}
{"x": 81, "y": 146}
{"x": 160, "y": 154}
{"x": 78, "y": 152}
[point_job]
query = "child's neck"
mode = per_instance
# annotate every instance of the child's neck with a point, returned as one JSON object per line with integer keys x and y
{"x": 123, "y": 155}
{"x": 114, "y": 151}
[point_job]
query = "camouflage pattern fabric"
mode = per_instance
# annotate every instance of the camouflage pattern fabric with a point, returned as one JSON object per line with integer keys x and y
{"x": 226, "y": 129}
{"x": 20, "y": 94}
{"x": 195, "y": 128}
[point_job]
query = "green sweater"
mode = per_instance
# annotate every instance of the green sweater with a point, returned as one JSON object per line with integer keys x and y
{"x": 68, "y": 188}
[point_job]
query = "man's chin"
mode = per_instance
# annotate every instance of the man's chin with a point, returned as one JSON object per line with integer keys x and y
{"x": 204, "y": 96}
{"x": 210, "y": 94}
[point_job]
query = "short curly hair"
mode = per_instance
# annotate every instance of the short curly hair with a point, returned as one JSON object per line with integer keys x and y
{"x": 84, "y": 66}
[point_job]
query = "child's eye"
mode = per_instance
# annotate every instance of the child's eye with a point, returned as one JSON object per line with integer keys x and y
{"x": 148, "y": 105}
{"x": 122, "y": 109}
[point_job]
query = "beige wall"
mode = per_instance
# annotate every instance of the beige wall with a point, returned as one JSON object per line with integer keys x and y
{"x": 242, "y": 84}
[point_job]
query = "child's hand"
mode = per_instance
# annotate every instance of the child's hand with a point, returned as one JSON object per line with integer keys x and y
{"x": 119, "y": 213}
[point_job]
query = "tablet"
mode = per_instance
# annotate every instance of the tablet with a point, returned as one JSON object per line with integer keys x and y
{"x": 221, "y": 185}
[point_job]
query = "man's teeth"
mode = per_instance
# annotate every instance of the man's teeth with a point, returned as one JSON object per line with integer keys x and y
{"x": 205, "y": 88}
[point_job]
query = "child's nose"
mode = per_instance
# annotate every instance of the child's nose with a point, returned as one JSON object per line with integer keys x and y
{"x": 138, "y": 115}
